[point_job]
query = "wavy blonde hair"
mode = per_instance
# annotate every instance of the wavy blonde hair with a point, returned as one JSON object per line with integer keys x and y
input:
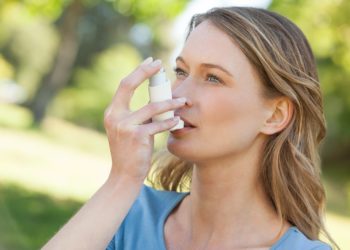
{"x": 290, "y": 170}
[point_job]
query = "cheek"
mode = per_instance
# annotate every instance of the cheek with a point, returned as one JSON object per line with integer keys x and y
{"x": 227, "y": 125}
{"x": 230, "y": 125}
{"x": 227, "y": 112}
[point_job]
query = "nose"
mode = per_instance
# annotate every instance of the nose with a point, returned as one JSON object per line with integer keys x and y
{"x": 182, "y": 90}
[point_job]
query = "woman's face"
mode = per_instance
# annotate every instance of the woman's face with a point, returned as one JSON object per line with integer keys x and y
{"x": 224, "y": 98}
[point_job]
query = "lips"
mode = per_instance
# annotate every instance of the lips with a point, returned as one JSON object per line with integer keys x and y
{"x": 187, "y": 123}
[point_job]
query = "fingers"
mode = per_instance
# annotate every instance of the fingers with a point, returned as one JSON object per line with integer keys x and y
{"x": 155, "y": 108}
{"x": 157, "y": 127}
{"x": 127, "y": 86}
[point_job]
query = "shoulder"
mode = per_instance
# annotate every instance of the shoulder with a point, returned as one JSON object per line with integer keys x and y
{"x": 152, "y": 205}
{"x": 295, "y": 239}
{"x": 157, "y": 201}
{"x": 142, "y": 228}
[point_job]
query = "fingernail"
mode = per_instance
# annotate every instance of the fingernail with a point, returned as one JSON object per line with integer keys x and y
{"x": 181, "y": 99}
{"x": 156, "y": 63}
{"x": 147, "y": 61}
{"x": 176, "y": 118}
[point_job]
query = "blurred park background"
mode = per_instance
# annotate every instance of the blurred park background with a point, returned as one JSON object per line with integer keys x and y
{"x": 60, "y": 64}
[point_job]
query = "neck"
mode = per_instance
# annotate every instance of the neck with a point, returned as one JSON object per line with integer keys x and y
{"x": 227, "y": 198}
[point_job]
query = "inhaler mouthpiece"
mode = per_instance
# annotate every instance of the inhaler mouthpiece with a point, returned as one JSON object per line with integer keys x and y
{"x": 160, "y": 90}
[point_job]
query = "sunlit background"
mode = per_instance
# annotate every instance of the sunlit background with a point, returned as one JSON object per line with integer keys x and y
{"x": 60, "y": 64}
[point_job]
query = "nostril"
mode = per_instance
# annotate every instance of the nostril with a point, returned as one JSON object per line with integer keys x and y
{"x": 188, "y": 101}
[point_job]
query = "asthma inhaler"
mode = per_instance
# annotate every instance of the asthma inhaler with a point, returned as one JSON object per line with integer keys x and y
{"x": 160, "y": 90}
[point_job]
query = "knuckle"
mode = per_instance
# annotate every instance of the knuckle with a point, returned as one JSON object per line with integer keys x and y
{"x": 106, "y": 122}
{"x": 135, "y": 136}
{"x": 126, "y": 130}
{"x": 172, "y": 103}
{"x": 153, "y": 107}
{"x": 164, "y": 125}
{"x": 107, "y": 119}
{"x": 144, "y": 70}
{"x": 107, "y": 111}
{"x": 122, "y": 127}
{"x": 124, "y": 84}
{"x": 110, "y": 122}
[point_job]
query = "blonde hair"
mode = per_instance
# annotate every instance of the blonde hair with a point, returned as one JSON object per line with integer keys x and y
{"x": 290, "y": 170}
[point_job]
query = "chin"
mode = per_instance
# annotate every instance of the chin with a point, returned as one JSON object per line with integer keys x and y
{"x": 183, "y": 150}
{"x": 180, "y": 149}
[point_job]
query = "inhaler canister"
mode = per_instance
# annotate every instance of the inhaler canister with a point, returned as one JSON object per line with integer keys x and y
{"x": 160, "y": 90}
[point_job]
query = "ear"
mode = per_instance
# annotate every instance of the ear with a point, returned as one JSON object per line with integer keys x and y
{"x": 279, "y": 115}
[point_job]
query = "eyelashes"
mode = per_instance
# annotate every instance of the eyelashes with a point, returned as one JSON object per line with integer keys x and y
{"x": 180, "y": 73}
{"x": 214, "y": 78}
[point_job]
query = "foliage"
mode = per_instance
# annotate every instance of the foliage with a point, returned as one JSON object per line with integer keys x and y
{"x": 34, "y": 35}
{"x": 85, "y": 102}
{"x": 326, "y": 24}
{"x": 144, "y": 9}
{"x": 28, "y": 44}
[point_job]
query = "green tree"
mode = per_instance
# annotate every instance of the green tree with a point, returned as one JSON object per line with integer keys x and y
{"x": 84, "y": 28}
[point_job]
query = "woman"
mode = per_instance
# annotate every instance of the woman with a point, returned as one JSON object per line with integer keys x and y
{"x": 247, "y": 87}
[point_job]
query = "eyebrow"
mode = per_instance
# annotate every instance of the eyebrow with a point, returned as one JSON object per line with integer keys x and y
{"x": 207, "y": 65}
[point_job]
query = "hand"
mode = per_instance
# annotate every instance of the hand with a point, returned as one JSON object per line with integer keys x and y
{"x": 131, "y": 134}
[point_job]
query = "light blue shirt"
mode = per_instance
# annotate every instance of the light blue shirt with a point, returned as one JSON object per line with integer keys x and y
{"x": 142, "y": 228}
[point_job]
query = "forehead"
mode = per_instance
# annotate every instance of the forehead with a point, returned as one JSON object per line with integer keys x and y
{"x": 208, "y": 42}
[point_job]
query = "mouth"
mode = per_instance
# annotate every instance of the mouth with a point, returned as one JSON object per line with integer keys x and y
{"x": 187, "y": 124}
{"x": 188, "y": 127}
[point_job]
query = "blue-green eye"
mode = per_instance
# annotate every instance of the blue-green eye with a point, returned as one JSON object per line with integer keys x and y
{"x": 213, "y": 78}
{"x": 179, "y": 72}
{"x": 210, "y": 77}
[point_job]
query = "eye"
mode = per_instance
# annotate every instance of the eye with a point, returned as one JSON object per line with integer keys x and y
{"x": 214, "y": 78}
{"x": 179, "y": 72}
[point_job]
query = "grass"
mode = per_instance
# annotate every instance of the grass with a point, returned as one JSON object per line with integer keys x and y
{"x": 40, "y": 162}
{"x": 29, "y": 218}
{"x": 47, "y": 174}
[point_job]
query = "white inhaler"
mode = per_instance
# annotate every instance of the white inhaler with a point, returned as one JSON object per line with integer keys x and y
{"x": 160, "y": 90}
